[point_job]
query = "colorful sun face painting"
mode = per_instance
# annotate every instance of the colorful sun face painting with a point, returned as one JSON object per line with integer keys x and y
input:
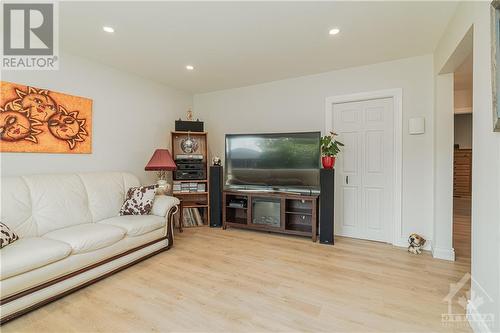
{"x": 41, "y": 121}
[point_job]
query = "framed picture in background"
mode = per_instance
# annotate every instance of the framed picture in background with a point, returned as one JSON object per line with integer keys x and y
{"x": 495, "y": 62}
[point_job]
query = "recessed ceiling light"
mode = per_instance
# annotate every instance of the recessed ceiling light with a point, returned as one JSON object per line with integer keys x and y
{"x": 108, "y": 29}
{"x": 334, "y": 31}
{"x": 189, "y": 67}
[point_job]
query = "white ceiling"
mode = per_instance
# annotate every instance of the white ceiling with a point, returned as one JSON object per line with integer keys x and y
{"x": 234, "y": 44}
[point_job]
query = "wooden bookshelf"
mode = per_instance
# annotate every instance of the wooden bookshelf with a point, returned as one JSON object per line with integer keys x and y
{"x": 193, "y": 199}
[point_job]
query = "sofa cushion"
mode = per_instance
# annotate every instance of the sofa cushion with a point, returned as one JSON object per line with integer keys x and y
{"x": 139, "y": 200}
{"x": 73, "y": 263}
{"x": 136, "y": 225}
{"x": 106, "y": 192}
{"x": 58, "y": 201}
{"x": 30, "y": 253}
{"x": 7, "y": 236}
{"x": 15, "y": 206}
{"x": 87, "y": 237}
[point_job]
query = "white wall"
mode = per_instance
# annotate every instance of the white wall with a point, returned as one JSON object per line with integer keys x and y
{"x": 442, "y": 242}
{"x": 299, "y": 105}
{"x": 486, "y": 157}
{"x": 131, "y": 117}
{"x": 463, "y": 99}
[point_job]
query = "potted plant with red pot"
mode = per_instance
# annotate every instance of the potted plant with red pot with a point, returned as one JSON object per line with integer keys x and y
{"x": 330, "y": 148}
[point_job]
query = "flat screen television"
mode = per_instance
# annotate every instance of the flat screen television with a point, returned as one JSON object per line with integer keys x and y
{"x": 274, "y": 161}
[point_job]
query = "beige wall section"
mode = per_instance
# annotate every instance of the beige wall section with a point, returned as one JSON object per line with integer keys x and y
{"x": 442, "y": 242}
{"x": 299, "y": 105}
{"x": 463, "y": 86}
{"x": 486, "y": 157}
{"x": 131, "y": 117}
{"x": 463, "y": 100}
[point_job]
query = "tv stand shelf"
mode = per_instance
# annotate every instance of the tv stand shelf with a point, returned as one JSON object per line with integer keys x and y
{"x": 279, "y": 212}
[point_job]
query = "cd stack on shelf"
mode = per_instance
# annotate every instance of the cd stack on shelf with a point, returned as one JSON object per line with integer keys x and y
{"x": 189, "y": 188}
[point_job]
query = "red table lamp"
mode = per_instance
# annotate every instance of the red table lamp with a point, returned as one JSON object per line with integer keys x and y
{"x": 161, "y": 162}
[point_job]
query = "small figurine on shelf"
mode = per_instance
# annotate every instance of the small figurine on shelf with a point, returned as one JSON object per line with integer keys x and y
{"x": 216, "y": 161}
{"x": 416, "y": 243}
{"x": 189, "y": 115}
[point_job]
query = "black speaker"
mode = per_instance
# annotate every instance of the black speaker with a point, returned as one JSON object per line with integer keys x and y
{"x": 215, "y": 192}
{"x": 189, "y": 126}
{"x": 327, "y": 183}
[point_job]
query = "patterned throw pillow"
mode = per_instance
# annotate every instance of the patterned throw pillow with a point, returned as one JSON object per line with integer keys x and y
{"x": 7, "y": 236}
{"x": 139, "y": 200}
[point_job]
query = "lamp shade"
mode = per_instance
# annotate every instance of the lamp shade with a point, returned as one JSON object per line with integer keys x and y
{"x": 161, "y": 160}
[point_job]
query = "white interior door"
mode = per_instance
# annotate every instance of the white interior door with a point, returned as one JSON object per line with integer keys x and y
{"x": 364, "y": 170}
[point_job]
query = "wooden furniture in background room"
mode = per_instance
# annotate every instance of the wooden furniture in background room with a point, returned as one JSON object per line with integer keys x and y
{"x": 193, "y": 193}
{"x": 462, "y": 172}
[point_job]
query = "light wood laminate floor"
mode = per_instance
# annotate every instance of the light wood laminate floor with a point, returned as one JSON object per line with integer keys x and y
{"x": 234, "y": 280}
{"x": 462, "y": 227}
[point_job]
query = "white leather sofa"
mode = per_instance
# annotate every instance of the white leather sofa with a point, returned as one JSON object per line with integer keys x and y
{"x": 71, "y": 235}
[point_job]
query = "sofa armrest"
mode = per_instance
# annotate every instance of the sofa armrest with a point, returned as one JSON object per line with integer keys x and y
{"x": 162, "y": 205}
{"x": 166, "y": 206}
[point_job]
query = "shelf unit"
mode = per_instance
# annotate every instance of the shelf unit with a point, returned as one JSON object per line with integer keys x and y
{"x": 284, "y": 212}
{"x": 191, "y": 193}
{"x": 193, "y": 199}
{"x": 191, "y": 181}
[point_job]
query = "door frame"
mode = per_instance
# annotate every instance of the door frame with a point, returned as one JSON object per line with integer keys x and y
{"x": 397, "y": 98}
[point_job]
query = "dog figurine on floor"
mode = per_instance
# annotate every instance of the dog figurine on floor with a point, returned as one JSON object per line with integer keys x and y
{"x": 416, "y": 243}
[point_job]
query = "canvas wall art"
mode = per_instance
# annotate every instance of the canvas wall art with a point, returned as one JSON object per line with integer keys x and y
{"x": 42, "y": 121}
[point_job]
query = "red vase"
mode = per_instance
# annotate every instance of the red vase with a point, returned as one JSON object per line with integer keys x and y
{"x": 328, "y": 162}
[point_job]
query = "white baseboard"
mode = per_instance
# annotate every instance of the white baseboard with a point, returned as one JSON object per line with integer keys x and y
{"x": 476, "y": 321}
{"x": 444, "y": 254}
{"x": 402, "y": 242}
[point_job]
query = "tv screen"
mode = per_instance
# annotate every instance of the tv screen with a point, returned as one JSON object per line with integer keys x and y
{"x": 289, "y": 160}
